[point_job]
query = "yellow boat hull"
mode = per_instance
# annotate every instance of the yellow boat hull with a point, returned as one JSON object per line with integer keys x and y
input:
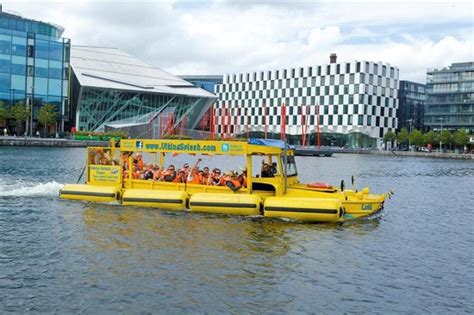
{"x": 174, "y": 200}
{"x": 236, "y": 204}
{"x": 304, "y": 209}
{"x": 89, "y": 193}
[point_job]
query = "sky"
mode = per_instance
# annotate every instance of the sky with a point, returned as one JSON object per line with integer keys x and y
{"x": 218, "y": 37}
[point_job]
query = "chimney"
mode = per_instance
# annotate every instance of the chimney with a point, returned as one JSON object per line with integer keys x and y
{"x": 333, "y": 58}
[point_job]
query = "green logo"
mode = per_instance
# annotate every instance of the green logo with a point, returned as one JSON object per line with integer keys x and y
{"x": 366, "y": 206}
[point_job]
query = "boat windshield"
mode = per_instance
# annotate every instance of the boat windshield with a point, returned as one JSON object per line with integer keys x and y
{"x": 290, "y": 165}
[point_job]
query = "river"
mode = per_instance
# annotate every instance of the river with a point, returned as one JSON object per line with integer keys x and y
{"x": 416, "y": 256}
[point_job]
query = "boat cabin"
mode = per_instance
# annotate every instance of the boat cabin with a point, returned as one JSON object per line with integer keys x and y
{"x": 109, "y": 166}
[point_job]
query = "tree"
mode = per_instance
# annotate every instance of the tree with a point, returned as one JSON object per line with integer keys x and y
{"x": 20, "y": 113}
{"x": 445, "y": 137}
{"x": 402, "y": 136}
{"x": 47, "y": 115}
{"x": 4, "y": 112}
{"x": 389, "y": 136}
{"x": 460, "y": 138}
{"x": 430, "y": 137}
{"x": 416, "y": 137}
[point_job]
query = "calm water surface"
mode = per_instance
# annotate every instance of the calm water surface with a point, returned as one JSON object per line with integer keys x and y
{"x": 62, "y": 256}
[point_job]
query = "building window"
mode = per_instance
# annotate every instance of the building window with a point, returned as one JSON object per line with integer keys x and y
{"x": 338, "y": 69}
{"x": 339, "y": 120}
{"x": 348, "y": 67}
{"x": 31, "y": 51}
{"x": 358, "y": 67}
{"x": 330, "y": 120}
{"x": 319, "y": 70}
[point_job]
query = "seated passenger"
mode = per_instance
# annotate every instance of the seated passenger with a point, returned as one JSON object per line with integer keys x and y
{"x": 231, "y": 181}
{"x": 243, "y": 178}
{"x": 169, "y": 175}
{"x": 267, "y": 170}
{"x": 181, "y": 177}
{"x": 148, "y": 174}
{"x": 156, "y": 173}
{"x": 204, "y": 175}
{"x": 215, "y": 177}
{"x": 139, "y": 159}
{"x": 193, "y": 175}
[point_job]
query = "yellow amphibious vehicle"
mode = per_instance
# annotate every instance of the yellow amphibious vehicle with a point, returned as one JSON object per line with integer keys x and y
{"x": 281, "y": 195}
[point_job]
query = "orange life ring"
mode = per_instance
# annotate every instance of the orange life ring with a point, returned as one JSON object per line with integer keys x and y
{"x": 320, "y": 185}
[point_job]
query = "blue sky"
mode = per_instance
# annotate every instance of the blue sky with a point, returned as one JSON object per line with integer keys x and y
{"x": 215, "y": 37}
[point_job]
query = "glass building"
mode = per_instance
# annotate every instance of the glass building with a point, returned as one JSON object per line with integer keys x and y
{"x": 206, "y": 82}
{"x": 34, "y": 66}
{"x": 411, "y": 105}
{"x": 109, "y": 87}
{"x": 450, "y": 97}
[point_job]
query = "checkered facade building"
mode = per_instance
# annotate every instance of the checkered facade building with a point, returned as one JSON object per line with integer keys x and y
{"x": 354, "y": 97}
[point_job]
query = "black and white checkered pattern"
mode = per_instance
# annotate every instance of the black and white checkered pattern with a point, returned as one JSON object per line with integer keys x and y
{"x": 359, "y": 96}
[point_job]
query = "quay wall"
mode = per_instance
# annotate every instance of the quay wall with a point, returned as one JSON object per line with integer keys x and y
{"x": 46, "y": 142}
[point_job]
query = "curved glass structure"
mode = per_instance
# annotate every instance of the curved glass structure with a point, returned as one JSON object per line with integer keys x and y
{"x": 110, "y": 86}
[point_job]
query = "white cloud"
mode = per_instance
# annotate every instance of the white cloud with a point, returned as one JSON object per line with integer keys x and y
{"x": 225, "y": 37}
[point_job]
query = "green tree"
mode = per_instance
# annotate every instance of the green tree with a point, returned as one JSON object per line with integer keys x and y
{"x": 430, "y": 137}
{"x": 403, "y": 136}
{"x": 389, "y": 136}
{"x": 47, "y": 115}
{"x": 21, "y": 114}
{"x": 460, "y": 138}
{"x": 4, "y": 112}
{"x": 416, "y": 137}
{"x": 445, "y": 137}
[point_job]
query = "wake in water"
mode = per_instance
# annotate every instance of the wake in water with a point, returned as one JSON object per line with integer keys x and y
{"x": 22, "y": 189}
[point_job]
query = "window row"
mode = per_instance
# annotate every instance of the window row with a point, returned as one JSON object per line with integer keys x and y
{"x": 319, "y": 70}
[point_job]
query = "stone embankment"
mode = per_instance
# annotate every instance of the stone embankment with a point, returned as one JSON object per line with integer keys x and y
{"x": 441, "y": 155}
{"x": 48, "y": 142}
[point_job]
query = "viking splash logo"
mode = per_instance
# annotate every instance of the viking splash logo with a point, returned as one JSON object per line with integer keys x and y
{"x": 139, "y": 144}
{"x": 225, "y": 147}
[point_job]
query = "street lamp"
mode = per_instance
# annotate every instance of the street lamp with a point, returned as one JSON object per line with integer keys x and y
{"x": 410, "y": 123}
{"x": 31, "y": 111}
{"x": 440, "y": 143}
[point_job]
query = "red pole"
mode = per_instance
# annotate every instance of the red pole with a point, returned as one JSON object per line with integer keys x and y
{"x": 283, "y": 122}
{"x": 229, "y": 121}
{"x": 306, "y": 121}
{"x": 247, "y": 123}
{"x": 222, "y": 120}
{"x": 265, "y": 119}
{"x": 303, "y": 123}
{"x": 212, "y": 121}
{"x": 317, "y": 124}
{"x": 237, "y": 118}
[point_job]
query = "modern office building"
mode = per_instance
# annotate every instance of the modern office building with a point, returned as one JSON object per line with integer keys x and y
{"x": 356, "y": 102}
{"x": 411, "y": 105}
{"x": 34, "y": 66}
{"x": 206, "y": 82}
{"x": 109, "y": 87}
{"x": 450, "y": 97}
